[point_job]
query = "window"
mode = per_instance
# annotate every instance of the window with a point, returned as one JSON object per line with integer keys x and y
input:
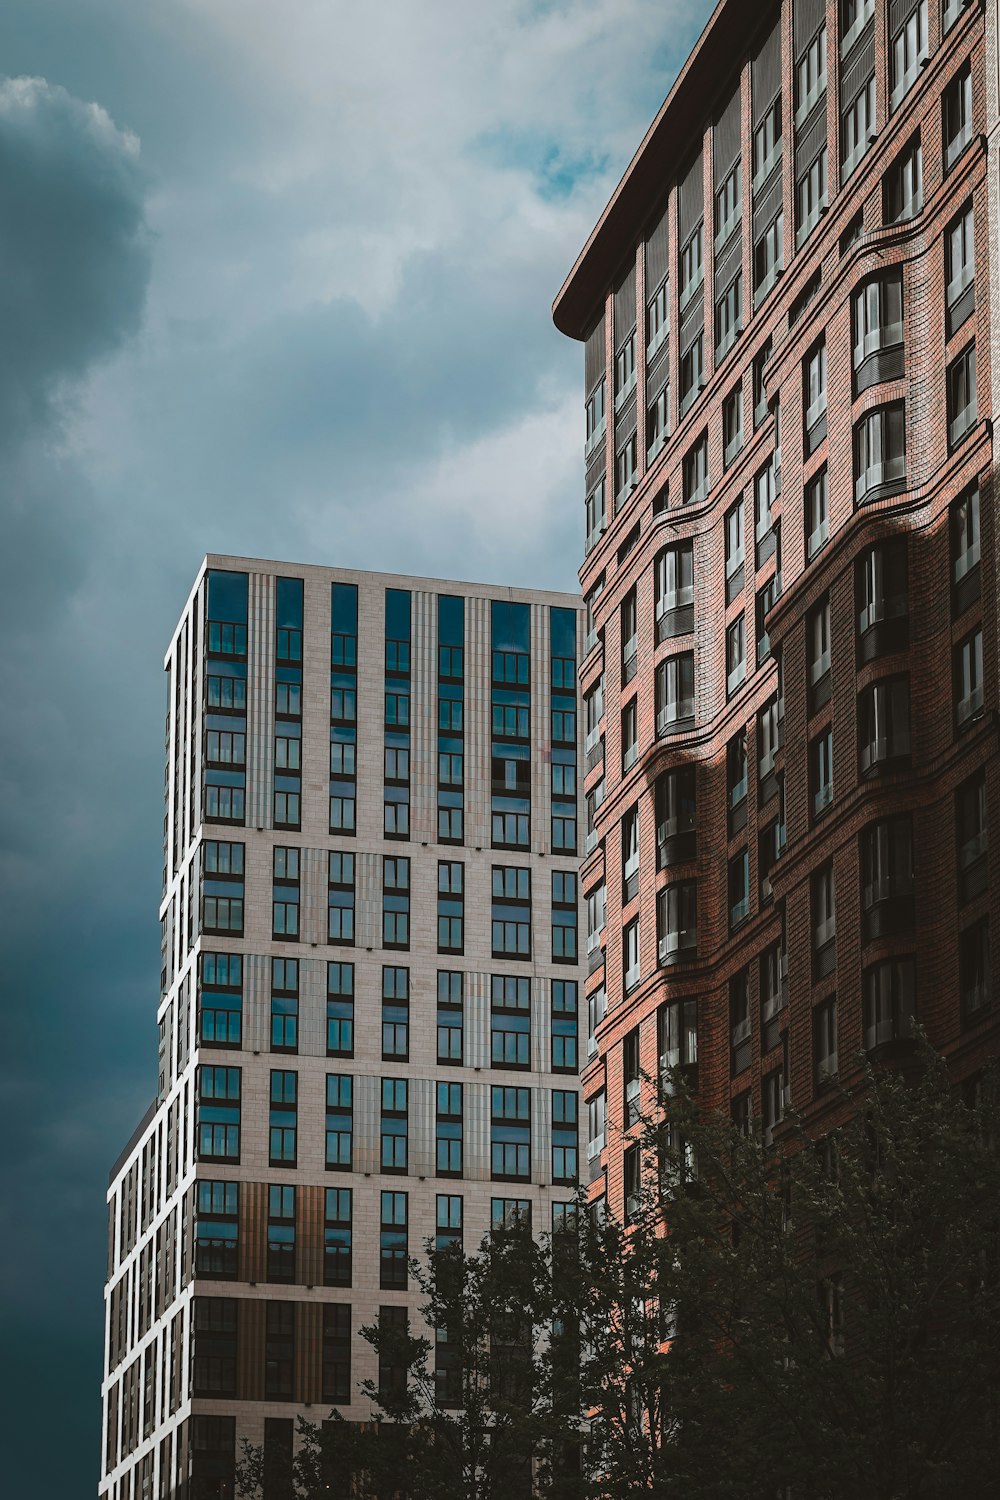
{"x": 451, "y": 907}
{"x": 625, "y": 370}
{"x": 768, "y": 744}
{"x": 956, "y": 116}
{"x": 908, "y": 50}
{"x": 818, "y": 647}
{"x": 675, "y": 692}
{"x": 675, "y": 817}
{"x": 596, "y": 415}
{"x": 810, "y": 75}
{"x": 448, "y": 1221}
{"x": 814, "y": 395}
{"x": 881, "y": 599}
{"x": 340, "y": 898}
{"x": 677, "y": 1042}
{"x": 219, "y": 1114}
{"x": 739, "y": 1023}
{"x": 510, "y": 1021}
{"x": 765, "y": 493}
{"x": 734, "y": 551}
{"x": 339, "y": 1121}
{"x": 284, "y": 1004}
{"x": 854, "y": 15}
{"x": 773, "y": 976}
{"x": 657, "y": 424}
{"x": 220, "y": 1000}
{"x": 739, "y": 889}
{"x": 736, "y": 781}
{"x": 817, "y": 514}
{"x": 962, "y": 413}
{"x": 449, "y": 1016}
{"x": 692, "y": 372}
{"x": 280, "y": 1233}
{"x": 889, "y": 1002}
{"x": 395, "y": 902}
{"x": 729, "y": 316}
{"x": 696, "y": 471}
{"x": 768, "y": 256}
{"x": 395, "y": 1013}
{"x": 564, "y": 917}
{"x": 283, "y": 1118}
{"x": 597, "y": 515}
{"x": 692, "y": 264}
{"x": 336, "y": 1354}
{"x": 969, "y": 679}
{"x": 285, "y": 905}
{"x": 767, "y": 144}
{"x": 759, "y": 393}
{"x": 511, "y": 912}
{"x": 674, "y": 591}
{"x": 902, "y": 193}
{"x": 677, "y": 922}
{"x": 217, "y": 1230}
{"x": 394, "y": 1233}
{"x": 337, "y": 1237}
{"x": 394, "y": 1329}
{"x": 965, "y": 550}
{"x": 632, "y": 1182}
{"x": 657, "y": 319}
{"x": 449, "y": 1130}
{"x": 279, "y": 1351}
{"x": 565, "y": 1136}
{"x": 774, "y": 1101}
{"x": 395, "y": 1124}
{"x": 811, "y": 196}
{"x": 214, "y": 1371}
{"x": 824, "y": 922}
{"x": 821, "y": 772}
{"x": 564, "y": 1026}
{"x": 974, "y": 970}
{"x": 766, "y": 596}
{"x": 630, "y": 855}
{"x": 510, "y": 1134}
{"x": 853, "y": 233}
{"x": 340, "y": 1010}
{"x": 971, "y": 836}
{"x": 884, "y": 723}
{"x": 597, "y": 1006}
{"x": 880, "y": 453}
{"x": 629, "y": 637}
{"x": 630, "y": 955}
{"x": 728, "y": 205}
{"x": 952, "y": 10}
{"x": 736, "y": 654}
{"x": 597, "y": 904}
{"x": 625, "y": 471}
{"x": 887, "y": 876}
{"x": 222, "y": 887}
{"x": 857, "y": 127}
{"x": 824, "y": 1019}
{"x": 732, "y": 425}
{"x": 960, "y": 270}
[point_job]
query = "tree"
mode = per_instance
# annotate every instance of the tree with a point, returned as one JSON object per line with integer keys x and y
{"x": 815, "y": 1320}
{"x": 482, "y": 1402}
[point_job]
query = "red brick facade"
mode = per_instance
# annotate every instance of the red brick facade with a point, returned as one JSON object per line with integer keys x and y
{"x": 923, "y": 920}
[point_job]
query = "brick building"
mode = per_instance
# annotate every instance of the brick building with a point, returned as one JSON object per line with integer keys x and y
{"x": 368, "y": 1011}
{"x": 789, "y": 680}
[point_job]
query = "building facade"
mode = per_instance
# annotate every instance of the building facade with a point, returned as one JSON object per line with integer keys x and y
{"x": 369, "y": 992}
{"x": 789, "y": 681}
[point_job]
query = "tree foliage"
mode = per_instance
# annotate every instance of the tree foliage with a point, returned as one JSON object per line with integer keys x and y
{"x": 805, "y": 1320}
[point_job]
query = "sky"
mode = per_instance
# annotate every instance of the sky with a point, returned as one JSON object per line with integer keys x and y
{"x": 275, "y": 279}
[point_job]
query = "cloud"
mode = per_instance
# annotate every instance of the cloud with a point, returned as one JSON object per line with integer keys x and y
{"x": 74, "y": 260}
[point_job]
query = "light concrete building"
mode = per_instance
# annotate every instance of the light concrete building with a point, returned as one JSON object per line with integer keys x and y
{"x": 369, "y": 992}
